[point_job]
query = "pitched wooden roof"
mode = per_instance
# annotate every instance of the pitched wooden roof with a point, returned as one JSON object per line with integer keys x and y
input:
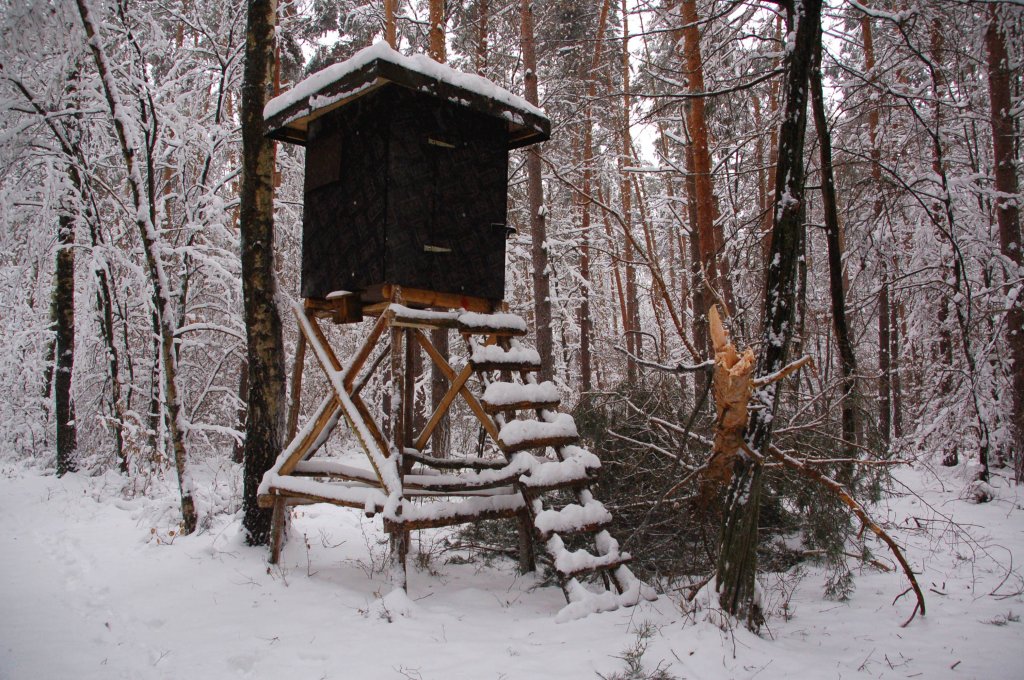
{"x": 288, "y": 115}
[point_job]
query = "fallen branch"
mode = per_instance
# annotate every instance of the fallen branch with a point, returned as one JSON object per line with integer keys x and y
{"x": 857, "y": 510}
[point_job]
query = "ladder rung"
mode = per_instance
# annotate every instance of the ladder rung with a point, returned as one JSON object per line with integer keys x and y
{"x": 573, "y": 518}
{"x": 520, "y": 435}
{"x": 571, "y": 564}
{"x": 493, "y": 324}
{"x": 507, "y": 396}
{"x": 496, "y": 358}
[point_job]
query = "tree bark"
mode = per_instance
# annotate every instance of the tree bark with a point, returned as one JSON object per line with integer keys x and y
{"x": 482, "y": 18}
{"x": 585, "y": 322}
{"x": 709, "y": 237}
{"x": 737, "y": 560}
{"x": 436, "y": 19}
{"x": 884, "y": 385}
{"x": 535, "y": 193}
{"x": 1007, "y": 209}
{"x": 631, "y": 323}
{"x": 266, "y": 406}
{"x": 837, "y": 288}
{"x": 64, "y": 305}
{"x": 390, "y": 29}
{"x": 144, "y": 204}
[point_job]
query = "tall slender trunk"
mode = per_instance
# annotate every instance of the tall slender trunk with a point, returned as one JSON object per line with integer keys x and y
{"x": 737, "y": 560}
{"x": 482, "y": 18}
{"x": 634, "y": 340}
{"x": 709, "y": 236}
{"x": 585, "y": 323}
{"x": 883, "y": 310}
{"x": 266, "y": 405}
{"x": 440, "y": 440}
{"x": 64, "y": 304}
{"x": 837, "y": 288}
{"x": 1007, "y": 208}
{"x": 436, "y": 20}
{"x": 535, "y": 193}
{"x": 144, "y": 204}
{"x": 390, "y": 30}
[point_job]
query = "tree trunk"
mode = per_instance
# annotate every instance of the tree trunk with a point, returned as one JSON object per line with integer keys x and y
{"x": 436, "y": 21}
{"x": 837, "y": 288}
{"x": 264, "y": 424}
{"x": 1007, "y": 208}
{"x": 144, "y": 205}
{"x": 884, "y": 337}
{"x": 737, "y": 560}
{"x": 709, "y": 237}
{"x": 535, "y": 193}
{"x": 64, "y": 305}
{"x": 631, "y": 323}
{"x": 586, "y": 325}
{"x": 390, "y": 29}
{"x": 482, "y": 17}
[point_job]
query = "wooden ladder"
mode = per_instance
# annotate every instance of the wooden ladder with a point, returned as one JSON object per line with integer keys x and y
{"x": 463, "y": 488}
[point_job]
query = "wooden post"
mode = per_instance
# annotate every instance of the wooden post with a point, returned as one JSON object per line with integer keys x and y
{"x": 293, "y": 410}
{"x": 278, "y": 521}
{"x": 399, "y": 535}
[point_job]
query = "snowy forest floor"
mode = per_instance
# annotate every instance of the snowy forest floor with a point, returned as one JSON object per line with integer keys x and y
{"x": 95, "y": 587}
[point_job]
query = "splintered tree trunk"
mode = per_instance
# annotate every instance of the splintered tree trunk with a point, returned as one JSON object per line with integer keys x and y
{"x": 737, "y": 560}
{"x": 837, "y": 288}
{"x": 64, "y": 305}
{"x": 535, "y": 193}
{"x": 1007, "y": 208}
{"x": 264, "y": 424}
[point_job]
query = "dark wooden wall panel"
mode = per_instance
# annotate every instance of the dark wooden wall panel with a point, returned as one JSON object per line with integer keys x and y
{"x": 407, "y": 189}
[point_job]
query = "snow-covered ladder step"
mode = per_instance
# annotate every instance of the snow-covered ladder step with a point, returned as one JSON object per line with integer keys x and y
{"x": 493, "y": 324}
{"x": 559, "y": 474}
{"x": 520, "y": 435}
{"x": 583, "y": 602}
{"x": 447, "y": 513}
{"x": 495, "y": 358}
{"x": 573, "y": 563}
{"x": 573, "y": 519}
{"x": 507, "y": 396}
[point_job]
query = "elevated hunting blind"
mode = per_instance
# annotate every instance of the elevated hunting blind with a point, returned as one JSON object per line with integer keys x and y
{"x": 405, "y": 208}
{"x": 406, "y": 176}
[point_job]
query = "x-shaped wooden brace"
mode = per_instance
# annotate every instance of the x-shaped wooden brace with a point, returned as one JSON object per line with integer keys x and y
{"x": 344, "y": 401}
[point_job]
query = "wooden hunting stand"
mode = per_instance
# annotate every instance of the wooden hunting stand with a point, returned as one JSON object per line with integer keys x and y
{"x": 408, "y": 241}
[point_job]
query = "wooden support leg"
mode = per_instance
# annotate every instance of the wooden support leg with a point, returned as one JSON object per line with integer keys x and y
{"x": 277, "y": 528}
{"x": 527, "y": 558}
{"x": 399, "y": 535}
{"x": 399, "y": 547}
{"x": 293, "y": 410}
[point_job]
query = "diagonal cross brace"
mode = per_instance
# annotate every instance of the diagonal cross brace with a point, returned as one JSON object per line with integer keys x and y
{"x": 382, "y": 464}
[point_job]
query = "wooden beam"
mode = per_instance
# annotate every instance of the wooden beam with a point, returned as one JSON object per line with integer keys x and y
{"x": 446, "y": 402}
{"x": 324, "y": 415}
{"x": 297, "y": 366}
{"x": 364, "y": 352}
{"x": 474, "y": 403}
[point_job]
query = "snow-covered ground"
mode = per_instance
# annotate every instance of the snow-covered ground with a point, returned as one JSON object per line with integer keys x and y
{"x": 94, "y": 587}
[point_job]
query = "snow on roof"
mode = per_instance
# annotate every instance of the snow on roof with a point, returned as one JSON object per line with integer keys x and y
{"x": 418, "y": 63}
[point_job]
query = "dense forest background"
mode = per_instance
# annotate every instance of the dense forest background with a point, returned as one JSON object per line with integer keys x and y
{"x": 123, "y": 343}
